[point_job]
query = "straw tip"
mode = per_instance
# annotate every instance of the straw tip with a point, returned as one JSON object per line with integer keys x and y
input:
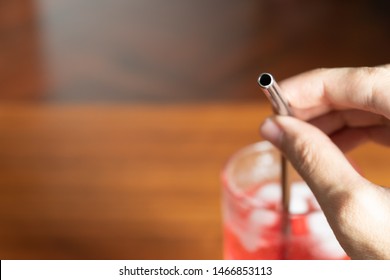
{"x": 265, "y": 80}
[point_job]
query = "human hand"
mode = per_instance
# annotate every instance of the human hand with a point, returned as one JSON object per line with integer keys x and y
{"x": 336, "y": 110}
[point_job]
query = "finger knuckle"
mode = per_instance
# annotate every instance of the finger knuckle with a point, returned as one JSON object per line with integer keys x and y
{"x": 366, "y": 79}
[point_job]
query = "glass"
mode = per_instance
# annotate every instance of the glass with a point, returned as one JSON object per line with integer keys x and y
{"x": 252, "y": 214}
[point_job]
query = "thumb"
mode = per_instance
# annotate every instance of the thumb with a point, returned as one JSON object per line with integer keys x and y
{"x": 355, "y": 210}
{"x": 316, "y": 158}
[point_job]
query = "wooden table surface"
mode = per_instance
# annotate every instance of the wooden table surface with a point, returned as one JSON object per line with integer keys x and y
{"x": 116, "y": 117}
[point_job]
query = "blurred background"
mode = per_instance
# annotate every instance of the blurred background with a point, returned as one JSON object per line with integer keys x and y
{"x": 116, "y": 117}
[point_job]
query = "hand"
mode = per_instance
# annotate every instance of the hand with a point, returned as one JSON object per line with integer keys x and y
{"x": 336, "y": 110}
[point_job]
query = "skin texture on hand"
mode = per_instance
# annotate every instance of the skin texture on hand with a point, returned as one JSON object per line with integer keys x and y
{"x": 336, "y": 110}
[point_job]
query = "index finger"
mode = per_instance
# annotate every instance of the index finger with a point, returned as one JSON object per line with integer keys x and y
{"x": 319, "y": 91}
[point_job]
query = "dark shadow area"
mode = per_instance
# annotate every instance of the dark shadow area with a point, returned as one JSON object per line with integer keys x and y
{"x": 178, "y": 51}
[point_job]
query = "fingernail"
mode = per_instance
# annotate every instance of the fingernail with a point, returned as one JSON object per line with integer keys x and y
{"x": 271, "y": 132}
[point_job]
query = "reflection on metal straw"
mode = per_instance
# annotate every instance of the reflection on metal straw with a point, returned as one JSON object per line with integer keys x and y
{"x": 272, "y": 91}
{"x": 280, "y": 107}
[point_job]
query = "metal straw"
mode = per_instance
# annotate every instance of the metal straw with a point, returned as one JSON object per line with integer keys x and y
{"x": 280, "y": 107}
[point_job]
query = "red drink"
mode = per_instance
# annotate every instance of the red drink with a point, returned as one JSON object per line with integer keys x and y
{"x": 253, "y": 217}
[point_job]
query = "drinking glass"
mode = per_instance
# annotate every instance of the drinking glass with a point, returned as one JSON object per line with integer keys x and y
{"x": 252, "y": 211}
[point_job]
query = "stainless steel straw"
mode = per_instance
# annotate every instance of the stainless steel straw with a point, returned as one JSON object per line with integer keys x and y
{"x": 280, "y": 107}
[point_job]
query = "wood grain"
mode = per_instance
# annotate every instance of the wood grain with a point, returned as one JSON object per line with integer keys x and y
{"x": 127, "y": 182}
{"x": 116, "y": 182}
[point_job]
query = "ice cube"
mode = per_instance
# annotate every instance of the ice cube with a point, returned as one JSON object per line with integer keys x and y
{"x": 302, "y": 198}
{"x": 270, "y": 193}
{"x": 301, "y": 190}
{"x": 258, "y": 220}
{"x": 299, "y": 205}
{"x": 249, "y": 232}
{"x": 262, "y": 218}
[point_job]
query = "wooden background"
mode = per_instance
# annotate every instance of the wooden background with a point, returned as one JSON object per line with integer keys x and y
{"x": 116, "y": 117}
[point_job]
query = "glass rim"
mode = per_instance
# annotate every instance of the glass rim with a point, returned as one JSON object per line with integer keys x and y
{"x": 228, "y": 183}
{"x": 245, "y": 199}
